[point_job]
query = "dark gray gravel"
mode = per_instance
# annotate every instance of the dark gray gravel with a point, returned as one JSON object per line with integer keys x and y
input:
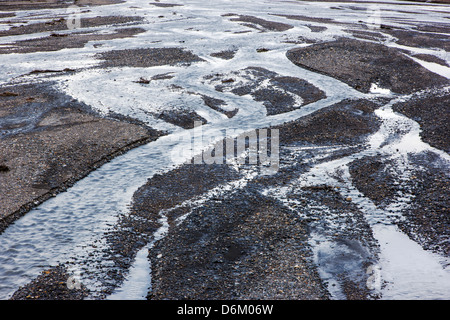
{"x": 278, "y": 97}
{"x": 56, "y": 41}
{"x": 53, "y": 284}
{"x": 242, "y": 247}
{"x": 238, "y": 244}
{"x": 49, "y": 141}
{"x": 432, "y": 112}
{"x": 143, "y": 58}
{"x": 261, "y": 23}
{"x": 361, "y": 64}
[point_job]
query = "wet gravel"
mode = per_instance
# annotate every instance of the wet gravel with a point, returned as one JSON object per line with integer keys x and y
{"x": 259, "y": 23}
{"x": 426, "y": 218}
{"x": 238, "y": 243}
{"x": 216, "y": 104}
{"x": 165, "y": 5}
{"x": 60, "y": 24}
{"x": 26, "y": 5}
{"x": 361, "y": 64}
{"x": 347, "y": 122}
{"x": 431, "y": 111}
{"x": 375, "y": 177}
{"x": 242, "y": 247}
{"x": 142, "y": 58}
{"x": 427, "y": 221}
{"x": 57, "y": 41}
{"x": 281, "y": 94}
{"x": 226, "y": 55}
{"x": 421, "y": 39}
{"x": 181, "y": 118}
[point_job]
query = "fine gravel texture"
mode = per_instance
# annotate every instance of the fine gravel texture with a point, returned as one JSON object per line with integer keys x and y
{"x": 428, "y": 219}
{"x": 169, "y": 193}
{"x": 216, "y": 104}
{"x": 242, "y": 247}
{"x": 181, "y": 118}
{"x": 241, "y": 244}
{"x": 59, "y": 41}
{"x": 226, "y": 54}
{"x": 361, "y": 64}
{"x": 421, "y": 39}
{"x": 6, "y": 5}
{"x": 226, "y": 231}
{"x": 279, "y": 94}
{"x": 60, "y": 24}
{"x": 50, "y": 142}
{"x": 143, "y": 58}
{"x": 347, "y": 122}
{"x": 374, "y": 177}
{"x": 259, "y": 23}
{"x": 53, "y": 284}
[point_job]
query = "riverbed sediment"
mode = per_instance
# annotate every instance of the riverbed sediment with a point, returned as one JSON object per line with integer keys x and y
{"x": 362, "y": 114}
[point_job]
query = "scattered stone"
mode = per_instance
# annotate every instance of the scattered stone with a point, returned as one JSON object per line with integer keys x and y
{"x": 434, "y": 119}
{"x": 143, "y": 81}
{"x": 73, "y": 40}
{"x": 226, "y": 55}
{"x": 53, "y": 284}
{"x": 180, "y": 117}
{"x": 8, "y": 94}
{"x": 165, "y": 5}
{"x": 266, "y": 25}
{"x": 284, "y": 93}
{"x": 55, "y": 130}
{"x": 143, "y": 58}
{"x": 361, "y": 64}
{"x": 244, "y": 247}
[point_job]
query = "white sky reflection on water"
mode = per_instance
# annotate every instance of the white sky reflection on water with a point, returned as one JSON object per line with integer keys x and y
{"x": 52, "y": 233}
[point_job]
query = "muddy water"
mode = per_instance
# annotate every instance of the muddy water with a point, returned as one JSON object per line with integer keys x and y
{"x": 71, "y": 226}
